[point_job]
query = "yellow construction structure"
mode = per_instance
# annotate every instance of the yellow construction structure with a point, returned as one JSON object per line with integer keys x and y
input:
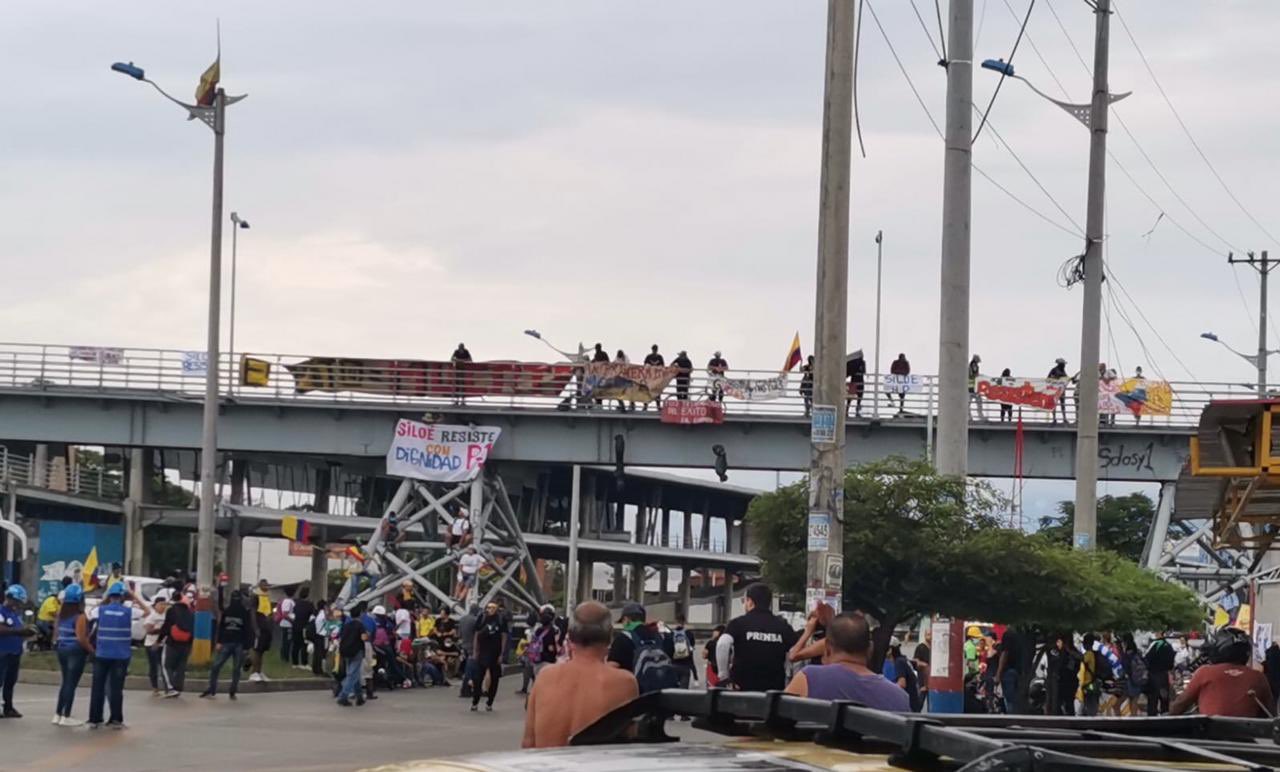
{"x": 1234, "y": 472}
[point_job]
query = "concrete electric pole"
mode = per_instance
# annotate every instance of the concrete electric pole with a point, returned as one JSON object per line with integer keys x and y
{"x": 1086, "y": 512}
{"x": 826, "y": 460}
{"x": 957, "y": 181}
{"x": 1263, "y": 266}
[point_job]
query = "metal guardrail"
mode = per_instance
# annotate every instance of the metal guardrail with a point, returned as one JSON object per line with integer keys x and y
{"x": 69, "y": 369}
{"x": 57, "y": 475}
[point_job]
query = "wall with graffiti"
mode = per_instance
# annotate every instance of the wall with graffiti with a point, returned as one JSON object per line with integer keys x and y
{"x": 65, "y": 548}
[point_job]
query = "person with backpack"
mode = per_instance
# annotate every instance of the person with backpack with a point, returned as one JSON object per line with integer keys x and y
{"x": 176, "y": 634}
{"x": 644, "y": 651}
{"x": 1159, "y": 660}
{"x": 682, "y": 643}
{"x": 1136, "y": 675}
{"x": 487, "y": 647}
{"x": 544, "y": 643}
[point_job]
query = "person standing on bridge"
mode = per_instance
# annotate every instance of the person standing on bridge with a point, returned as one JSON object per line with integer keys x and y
{"x": 460, "y": 359}
{"x": 901, "y": 367}
{"x": 598, "y": 356}
{"x": 806, "y": 385}
{"x": 855, "y": 369}
{"x": 654, "y": 359}
{"x": 684, "y": 367}
{"x": 716, "y": 368}
{"x": 975, "y": 367}
{"x": 621, "y": 359}
{"x": 1058, "y": 377}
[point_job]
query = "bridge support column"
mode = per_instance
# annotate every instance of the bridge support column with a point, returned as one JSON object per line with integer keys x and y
{"x": 666, "y": 543}
{"x": 40, "y": 466}
{"x": 686, "y": 593}
{"x": 586, "y": 570}
{"x": 320, "y": 556}
{"x": 637, "y": 582}
{"x": 140, "y": 473}
{"x": 619, "y": 583}
{"x": 686, "y": 533}
{"x": 727, "y": 590}
{"x": 235, "y": 553}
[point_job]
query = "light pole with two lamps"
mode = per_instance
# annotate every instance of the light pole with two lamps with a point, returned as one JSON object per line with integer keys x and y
{"x": 212, "y": 115}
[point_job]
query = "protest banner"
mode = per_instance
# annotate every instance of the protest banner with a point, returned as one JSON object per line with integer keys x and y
{"x": 902, "y": 384}
{"x": 439, "y": 452}
{"x": 631, "y": 383}
{"x": 1036, "y": 393}
{"x": 753, "y": 390}
{"x": 678, "y": 411}
{"x": 417, "y": 378}
{"x": 1135, "y": 396}
{"x": 195, "y": 362}
{"x": 96, "y": 354}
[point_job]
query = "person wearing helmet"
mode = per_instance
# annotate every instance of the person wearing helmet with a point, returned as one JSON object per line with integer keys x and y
{"x": 112, "y": 654}
{"x": 12, "y": 633}
{"x": 1228, "y": 686}
{"x": 71, "y": 642}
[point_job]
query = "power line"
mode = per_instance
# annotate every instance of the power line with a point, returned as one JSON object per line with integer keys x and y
{"x": 1244, "y": 302}
{"x": 928, "y": 34}
{"x": 1004, "y": 73}
{"x": 1033, "y": 177}
{"x": 1187, "y": 131}
{"x": 929, "y": 114}
{"x": 1119, "y": 285}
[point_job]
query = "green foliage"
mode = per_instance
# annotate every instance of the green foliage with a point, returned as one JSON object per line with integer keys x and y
{"x": 1123, "y": 522}
{"x": 918, "y": 542}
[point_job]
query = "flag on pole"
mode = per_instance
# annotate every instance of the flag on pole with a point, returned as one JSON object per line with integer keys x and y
{"x": 89, "y": 574}
{"x": 209, "y": 83}
{"x": 793, "y": 355}
{"x": 295, "y": 528}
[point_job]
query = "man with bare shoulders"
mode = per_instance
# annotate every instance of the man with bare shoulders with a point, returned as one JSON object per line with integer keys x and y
{"x": 569, "y": 696}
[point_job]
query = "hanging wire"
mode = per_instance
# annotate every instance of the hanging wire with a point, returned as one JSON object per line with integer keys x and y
{"x": 1186, "y": 130}
{"x": 929, "y": 114}
{"x": 942, "y": 36}
{"x": 927, "y": 34}
{"x": 1004, "y": 73}
{"x": 1244, "y": 301}
{"x": 1120, "y": 286}
{"x": 982, "y": 20}
{"x": 1001, "y": 142}
{"x": 857, "y": 44}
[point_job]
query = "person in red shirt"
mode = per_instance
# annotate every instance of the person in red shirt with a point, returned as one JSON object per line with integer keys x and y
{"x": 1228, "y": 687}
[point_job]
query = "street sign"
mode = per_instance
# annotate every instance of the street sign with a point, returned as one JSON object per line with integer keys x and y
{"x": 822, "y": 424}
{"x": 815, "y": 595}
{"x": 819, "y": 531}
{"x": 834, "y": 574}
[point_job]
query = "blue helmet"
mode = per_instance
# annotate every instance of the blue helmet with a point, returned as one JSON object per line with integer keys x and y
{"x": 17, "y": 592}
{"x": 73, "y": 594}
{"x": 117, "y": 588}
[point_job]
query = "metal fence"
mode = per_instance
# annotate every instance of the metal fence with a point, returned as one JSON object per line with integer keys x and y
{"x": 58, "y": 475}
{"x": 55, "y": 369}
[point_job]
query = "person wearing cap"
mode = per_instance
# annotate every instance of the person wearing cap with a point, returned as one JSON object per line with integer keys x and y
{"x": 12, "y": 635}
{"x": 111, "y": 656}
{"x": 1058, "y": 376}
{"x": 972, "y": 637}
{"x": 636, "y": 632}
{"x": 975, "y": 365}
{"x": 71, "y": 642}
{"x": 716, "y": 368}
{"x": 684, "y": 367}
{"x": 898, "y": 670}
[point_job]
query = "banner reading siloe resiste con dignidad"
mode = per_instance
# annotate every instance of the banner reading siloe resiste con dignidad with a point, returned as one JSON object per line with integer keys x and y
{"x": 439, "y": 452}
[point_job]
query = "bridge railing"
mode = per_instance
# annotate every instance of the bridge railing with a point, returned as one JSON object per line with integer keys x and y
{"x": 57, "y": 475}
{"x": 505, "y": 385}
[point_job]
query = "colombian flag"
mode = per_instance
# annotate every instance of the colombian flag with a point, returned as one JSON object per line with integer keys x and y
{"x": 295, "y": 528}
{"x": 793, "y": 355}
{"x": 89, "y": 574}
{"x": 209, "y": 83}
{"x": 353, "y": 551}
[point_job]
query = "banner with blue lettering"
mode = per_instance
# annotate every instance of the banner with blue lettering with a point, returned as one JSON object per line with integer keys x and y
{"x": 439, "y": 452}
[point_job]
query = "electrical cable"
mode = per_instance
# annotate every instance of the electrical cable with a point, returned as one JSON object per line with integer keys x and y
{"x": 1186, "y": 130}
{"x": 1120, "y": 285}
{"x": 857, "y": 44}
{"x": 982, "y": 20}
{"x": 927, "y": 34}
{"x": 942, "y": 35}
{"x": 1244, "y": 302}
{"x": 1004, "y": 75}
{"x": 929, "y": 114}
{"x": 1001, "y": 141}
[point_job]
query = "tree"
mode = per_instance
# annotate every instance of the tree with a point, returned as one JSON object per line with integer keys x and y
{"x": 1123, "y": 523}
{"x": 916, "y": 542}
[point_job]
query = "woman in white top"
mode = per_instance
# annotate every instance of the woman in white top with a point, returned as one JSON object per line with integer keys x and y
{"x": 152, "y": 623}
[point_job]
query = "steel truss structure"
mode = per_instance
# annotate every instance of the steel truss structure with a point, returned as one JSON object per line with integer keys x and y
{"x": 422, "y": 509}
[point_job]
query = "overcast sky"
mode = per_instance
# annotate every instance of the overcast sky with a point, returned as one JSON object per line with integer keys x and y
{"x": 420, "y": 173}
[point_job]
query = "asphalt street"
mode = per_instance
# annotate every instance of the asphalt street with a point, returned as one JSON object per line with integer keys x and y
{"x": 284, "y": 731}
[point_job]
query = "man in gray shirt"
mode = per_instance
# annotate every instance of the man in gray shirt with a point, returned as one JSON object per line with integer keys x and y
{"x": 466, "y": 640}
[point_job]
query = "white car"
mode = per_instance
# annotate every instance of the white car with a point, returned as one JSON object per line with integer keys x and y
{"x": 145, "y": 586}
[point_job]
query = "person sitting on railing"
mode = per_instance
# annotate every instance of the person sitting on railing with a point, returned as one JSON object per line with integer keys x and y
{"x": 716, "y": 368}
{"x": 654, "y": 359}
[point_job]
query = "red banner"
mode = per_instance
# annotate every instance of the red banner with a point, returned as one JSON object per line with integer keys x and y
{"x": 1028, "y": 392}
{"x": 676, "y": 411}
{"x": 415, "y": 378}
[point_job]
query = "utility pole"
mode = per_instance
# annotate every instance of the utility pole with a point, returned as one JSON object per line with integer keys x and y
{"x": 877, "y": 388}
{"x": 1086, "y": 504}
{"x": 953, "y": 347}
{"x": 1263, "y": 266}
{"x": 826, "y": 460}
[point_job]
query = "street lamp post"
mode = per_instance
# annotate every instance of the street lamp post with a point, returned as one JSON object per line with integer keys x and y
{"x": 213, "y": 116}
{"x": 875, "y": 395}
{"x": 1259, "y": 360}
{"x": 1094, "y": 118}
{"x": 231, "y": 344}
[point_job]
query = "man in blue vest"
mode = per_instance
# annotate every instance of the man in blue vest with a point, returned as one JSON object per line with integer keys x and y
{"x": 12, "y": 635}
{"x": 111, "y": 663}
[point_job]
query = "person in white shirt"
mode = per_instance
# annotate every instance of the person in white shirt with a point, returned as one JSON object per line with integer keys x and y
{"x": 286, "y": 625}
{"x": 151, "y": 624}
{"x": 458, "y": 535}
{"x": 468, "y": 569}
{"x": 404, "y": 623}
